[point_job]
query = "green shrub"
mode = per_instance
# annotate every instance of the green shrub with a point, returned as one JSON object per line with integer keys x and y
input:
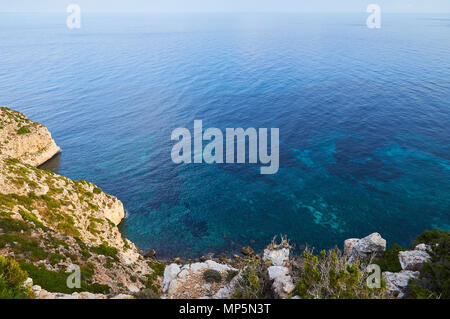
{"x": 329, "y": 276}
{"x": 13, "y": 225}
{"x": 54, "y": 281}
{"x": 157, "y": 267}
{"x": 212, "y": 275}
{"x": 12, "y": 278}
{"x": 390, "y": 261}
{"x": 97, "y": 190}
{"x": 231, "y": 274}
{"x": 105, "y": 251}
{"x": 434, "y": 279}
{"x": 23, "y": 130}
{"x": 251, "y": 283}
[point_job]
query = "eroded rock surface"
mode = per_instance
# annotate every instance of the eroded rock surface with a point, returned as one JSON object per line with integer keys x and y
{"x": 413, "y": 259}
{"x": 363, "y": 248}
{"x": 277, "y": 259}
{"x": 397, "y": 282}
{"x": 25, "y": 140}
{"x": 188, "y": 282}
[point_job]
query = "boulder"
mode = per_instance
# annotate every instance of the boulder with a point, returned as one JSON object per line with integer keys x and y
{"x": 413, "y": 259}
{"x": 278, "y": 257}
{"x": 363, "y": 248}
{"x": 282, "y": 285}
{"x": 170, "y": 273}
{"x": 349, "y": 244}
{"x": 247, "y": 251}
{"x": 398, "y": 281}
{"x": 373, "y": 243}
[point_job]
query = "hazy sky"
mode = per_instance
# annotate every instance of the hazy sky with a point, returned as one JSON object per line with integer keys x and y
{"x": 225, "y": 5}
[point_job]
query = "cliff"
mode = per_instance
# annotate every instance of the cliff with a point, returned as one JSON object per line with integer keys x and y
{"x": 29, "y": 142}
{"x": 49, "y": 222}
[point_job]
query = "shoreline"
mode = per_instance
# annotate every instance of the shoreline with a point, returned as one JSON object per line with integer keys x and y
{"x": 54, "y": 222}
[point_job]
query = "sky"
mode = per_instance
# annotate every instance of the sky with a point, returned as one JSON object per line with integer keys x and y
{"x": 224, "y": 5}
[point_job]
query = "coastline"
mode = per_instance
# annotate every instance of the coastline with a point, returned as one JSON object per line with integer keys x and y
{"x": 55, "y": 223}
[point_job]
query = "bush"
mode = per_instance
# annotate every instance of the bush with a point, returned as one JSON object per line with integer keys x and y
{"x": 54, "y": 281}
{"x": 328, "y": 276}
{"x": 251, "y": 284}
{"x": 390, "y": 261}
{"x": 211, "y": 275}
{"x": 12, "y": 278}
{"x": 231, "y": 274}
{"x": 434, "y": 279}
{"x": 105, "y": 251}
{"x": 23, "y": 130}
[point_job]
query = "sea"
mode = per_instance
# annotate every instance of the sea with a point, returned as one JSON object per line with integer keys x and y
{"x": 363, "y": 117}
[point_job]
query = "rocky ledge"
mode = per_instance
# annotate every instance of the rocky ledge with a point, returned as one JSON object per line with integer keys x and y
{"x": 20, "y": 138}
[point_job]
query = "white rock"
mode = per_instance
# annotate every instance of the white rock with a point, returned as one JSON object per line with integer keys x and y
{"x": 196, "y": 267}
{"x": 170, "y": 273}
{"x": 288, "y": 286}
{"x": 363, "y": 248}
{"x": 36, "y": 288}
{"x": 423, "y": 247}
{"x": 28, "y": 283}
{"x": 282, "y": 282}
{"x": 133, "y": 288}
{"x": 413, "y": 259}
{"x": 216, "y": 266}
{"x": 277, "y": 271}
{"x": 349, "y": 244}
{"x": 277, "y": 257}
{"x": 398, "y": 281}
{"x": 371, "y": 244}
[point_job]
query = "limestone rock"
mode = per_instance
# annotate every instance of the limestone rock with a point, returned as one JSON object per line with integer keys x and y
{"x": 188, "y": 281}
{"x": 349, "y": 245}
{"x": 413, "y": 259}
{"x": 25, "y": 140}
{"x": 373, "y": 243}
{"x": 279, "y": 272}
{"x": 170, "y": 273}
{"x": 423, "y": 247}
{"x": 363, "y": 248}
{"x": 397, "y": 282}
{"x": 277, "y": 257}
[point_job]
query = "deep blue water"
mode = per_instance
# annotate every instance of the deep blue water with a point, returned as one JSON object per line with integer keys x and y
{"x": 364, "y": 119}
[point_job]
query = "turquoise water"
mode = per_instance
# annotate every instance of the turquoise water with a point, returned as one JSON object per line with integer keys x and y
{"x": 364, "y": 119}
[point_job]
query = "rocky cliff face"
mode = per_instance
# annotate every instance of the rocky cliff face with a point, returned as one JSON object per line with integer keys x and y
{"x": 52, "y": 222}
{"x": 20, "y": 138}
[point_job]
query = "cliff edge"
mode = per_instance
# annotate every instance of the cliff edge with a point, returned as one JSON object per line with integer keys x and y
{"x": 29, "y": 142}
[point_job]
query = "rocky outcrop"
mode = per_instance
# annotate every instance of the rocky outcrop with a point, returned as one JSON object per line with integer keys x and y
{"x": 60, "y": 222}
{"x": 188, "y": 281}
{"x": 396, "y": 283}
{"x": 276, "y": 258}
{"x": 413, "y": 259}
{"x": 364, "y": 248}
{"x": 20, "y": 138}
